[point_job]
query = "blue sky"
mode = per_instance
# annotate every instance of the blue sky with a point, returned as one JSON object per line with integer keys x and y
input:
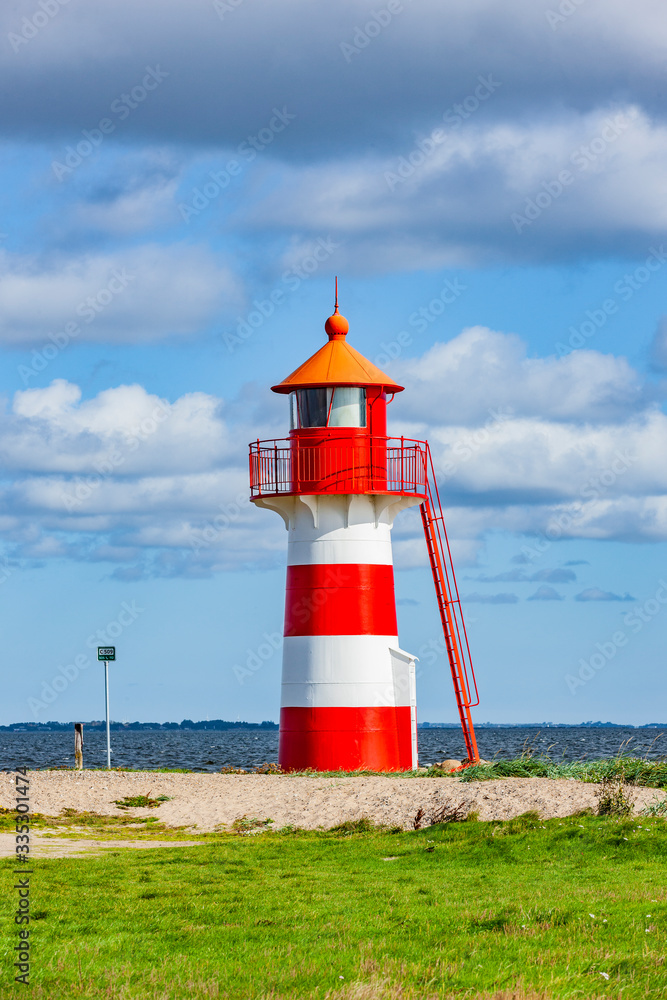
{"x": 487, "y": 180}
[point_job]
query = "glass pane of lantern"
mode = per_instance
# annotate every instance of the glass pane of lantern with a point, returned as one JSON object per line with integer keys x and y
{"x": 292, "y": 411}
{"x": 348, "y": 408}
{"x": 313, "y": 407}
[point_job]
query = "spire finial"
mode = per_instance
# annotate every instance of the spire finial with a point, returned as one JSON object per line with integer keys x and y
{"x": 336, "y": 326}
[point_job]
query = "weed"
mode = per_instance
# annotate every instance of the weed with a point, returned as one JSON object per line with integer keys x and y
{"x": 269, "y": 769}
{"x": 141, "y": 802}
{"x": 449, "y": 813}
{"x": 613, "y": 799}
{"x": 657, "y": 807}
{"x": 247, "y": 826}
{"x": 362, "y": 825}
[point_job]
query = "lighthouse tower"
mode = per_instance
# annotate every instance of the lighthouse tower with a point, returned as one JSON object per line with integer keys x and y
{"x": 348, "y": 689}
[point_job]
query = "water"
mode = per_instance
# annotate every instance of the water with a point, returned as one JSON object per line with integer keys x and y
{"x": 202, "y": 750}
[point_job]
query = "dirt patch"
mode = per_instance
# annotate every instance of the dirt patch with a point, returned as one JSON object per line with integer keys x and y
{"x": 206, "y": 802}
{"x": 65, "y": 847}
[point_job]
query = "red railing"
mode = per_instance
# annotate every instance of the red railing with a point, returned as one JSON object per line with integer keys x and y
{"x": 372, "y": 465}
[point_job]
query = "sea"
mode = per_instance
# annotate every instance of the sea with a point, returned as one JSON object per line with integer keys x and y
{"x": 210, "y": 750}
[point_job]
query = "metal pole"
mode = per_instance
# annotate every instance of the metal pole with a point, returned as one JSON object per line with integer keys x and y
{"x": 106, "y": 693}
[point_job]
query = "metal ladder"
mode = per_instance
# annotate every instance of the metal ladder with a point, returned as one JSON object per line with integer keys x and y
{"x": 449, "y": 606}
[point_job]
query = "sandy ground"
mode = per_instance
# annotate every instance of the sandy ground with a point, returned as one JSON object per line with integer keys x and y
{"x": 204, "y": 802}
{"x": 60, "y": 847}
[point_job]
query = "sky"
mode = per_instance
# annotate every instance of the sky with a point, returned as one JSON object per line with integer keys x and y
{"x": 181, "y": 183}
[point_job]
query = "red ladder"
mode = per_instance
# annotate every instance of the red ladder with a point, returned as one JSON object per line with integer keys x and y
{"x": 449, "y": 606}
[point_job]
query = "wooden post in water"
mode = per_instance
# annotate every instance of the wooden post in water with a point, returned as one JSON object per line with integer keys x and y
{"x": 78, "y": 745}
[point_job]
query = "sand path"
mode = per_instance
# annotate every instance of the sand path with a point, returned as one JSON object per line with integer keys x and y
{"x": 204, "y": 802}
{"x": 65, "y": 847}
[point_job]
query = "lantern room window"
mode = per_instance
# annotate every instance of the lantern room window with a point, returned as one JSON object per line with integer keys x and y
{"x": 344, "y": 406}
{"x": 348, "y": 407}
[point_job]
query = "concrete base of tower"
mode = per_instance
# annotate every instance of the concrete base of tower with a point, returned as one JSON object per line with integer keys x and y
{"x": 346, "y": 739}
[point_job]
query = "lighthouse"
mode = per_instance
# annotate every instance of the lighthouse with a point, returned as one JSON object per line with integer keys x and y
{"x": 348, "y": 697}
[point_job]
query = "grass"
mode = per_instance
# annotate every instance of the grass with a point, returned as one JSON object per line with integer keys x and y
{"x": 71, "y": 823}
{"x": 141, "y": 802}
{"x": 522, "y": 909}
{"x": 633, "y": 770}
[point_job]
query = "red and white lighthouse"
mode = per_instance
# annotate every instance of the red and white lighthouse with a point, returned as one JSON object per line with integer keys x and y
{"x": 348, "y": 689}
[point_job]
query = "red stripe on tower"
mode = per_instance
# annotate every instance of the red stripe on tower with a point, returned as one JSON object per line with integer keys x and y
{"x": 340, "y": 599}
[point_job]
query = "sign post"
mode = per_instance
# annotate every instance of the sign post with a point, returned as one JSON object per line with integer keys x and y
{"x": 107, "y": 653}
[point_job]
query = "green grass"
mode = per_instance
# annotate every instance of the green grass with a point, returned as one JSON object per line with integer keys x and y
{"x": 463, "y": 910}
{"x": 71, "y": 823}
{"x": 141, "y": 802}
{"x": 635, "y": 770}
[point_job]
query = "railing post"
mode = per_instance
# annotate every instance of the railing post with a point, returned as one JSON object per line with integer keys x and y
{"x": 402, "y": 476}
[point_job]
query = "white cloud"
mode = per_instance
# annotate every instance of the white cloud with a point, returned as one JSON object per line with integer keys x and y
{"x": 503, "y": 598}
{"x": 595, "y": 594}
{"x": 457, "y": 203}
{"x": 126, "y": 429}
{"x": 488, "y": 376}
{"x": 133, "y": 211}
{"x": 545, "y": 593}
{"x": 141, "y": 294}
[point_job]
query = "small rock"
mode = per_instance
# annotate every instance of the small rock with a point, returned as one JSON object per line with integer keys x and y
{"x": 449, "y": 764}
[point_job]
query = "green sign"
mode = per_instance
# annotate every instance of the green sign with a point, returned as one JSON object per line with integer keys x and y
{"x": 106, "y": 652}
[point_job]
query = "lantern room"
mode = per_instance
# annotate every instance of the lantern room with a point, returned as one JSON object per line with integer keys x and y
{"x": 338, "y": 429}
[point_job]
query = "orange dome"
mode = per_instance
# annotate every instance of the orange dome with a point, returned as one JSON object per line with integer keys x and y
{"x": 336, "y": 325}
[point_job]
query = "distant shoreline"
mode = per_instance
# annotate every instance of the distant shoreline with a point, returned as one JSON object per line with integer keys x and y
{"x": 221, "y": 725}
